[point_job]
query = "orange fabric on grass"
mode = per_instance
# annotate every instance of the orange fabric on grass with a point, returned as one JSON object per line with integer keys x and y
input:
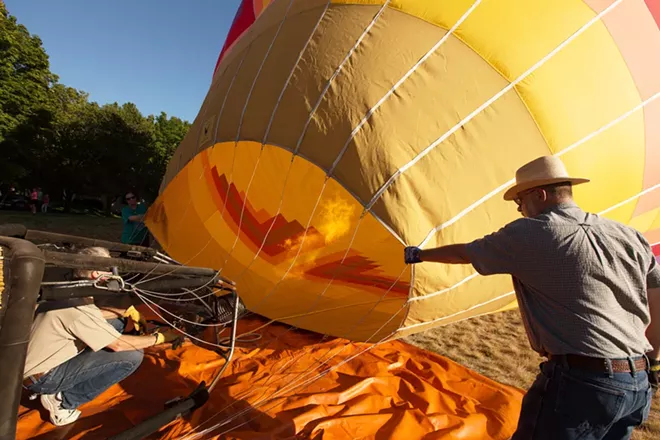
{"x": 393, "y": 390}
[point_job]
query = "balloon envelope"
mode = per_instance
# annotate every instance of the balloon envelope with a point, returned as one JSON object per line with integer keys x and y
{"x": 337, "y": 132}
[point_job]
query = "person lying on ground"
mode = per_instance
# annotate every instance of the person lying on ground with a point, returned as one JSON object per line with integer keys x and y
{"x": 77, "y": 352}
{"x": 589, "y": 295}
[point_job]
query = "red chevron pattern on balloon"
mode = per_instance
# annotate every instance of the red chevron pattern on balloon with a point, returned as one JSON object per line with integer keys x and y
{"x": 357, "y": 270}
{"x": 284, "y": 234}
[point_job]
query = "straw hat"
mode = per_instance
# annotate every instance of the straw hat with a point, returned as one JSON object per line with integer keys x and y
{"x": 545, "y": 170}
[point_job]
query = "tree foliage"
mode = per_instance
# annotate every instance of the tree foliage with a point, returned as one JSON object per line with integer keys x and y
{"x": 52, "y": 136}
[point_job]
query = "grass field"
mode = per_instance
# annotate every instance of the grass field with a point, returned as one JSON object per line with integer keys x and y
{"x": 495, "y": 345}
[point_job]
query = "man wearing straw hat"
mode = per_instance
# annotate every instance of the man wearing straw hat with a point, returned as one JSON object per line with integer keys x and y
{"x": 588, "y": 289}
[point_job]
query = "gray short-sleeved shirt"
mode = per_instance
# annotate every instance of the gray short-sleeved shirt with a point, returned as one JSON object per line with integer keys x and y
{"x": 581, "y": 281}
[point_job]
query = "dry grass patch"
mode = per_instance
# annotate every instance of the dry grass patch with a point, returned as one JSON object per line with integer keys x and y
{"x": 496, "y": 346}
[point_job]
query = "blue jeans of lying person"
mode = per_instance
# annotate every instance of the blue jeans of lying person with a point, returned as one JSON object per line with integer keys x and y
{"x": 566, "y": 403}
{"x": 87, "y": 375}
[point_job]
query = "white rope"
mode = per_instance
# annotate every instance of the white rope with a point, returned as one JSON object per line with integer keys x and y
{"x": 443, "y": 291}
{"x": 609, "y": 125}
{"x": 201, "y": 299}
{"x": 238, "y": 134}
{"x": 457, "y": 313}
{"x": 351, "y": 331}
{"x": 105, "y": 278}
{"x": 197, "y": 150}
{"x": 246, "y": 394}
{"x": 301, "y": 137}
{"x": 398, "y": 84}
{"x": 137, "y": 292}
{"x": 261, "y": 66}
{"x": 505, "y": 185}
{"x": 630, "y": 199}
{"x": 173, "y": 298}
{"x": 224, "y": 100}
{"x": 320, "y": 361}
{"x": 293, "y": 69}
{"x": 488, "y": 103}
{"x": 302, "y": 243}
{"x": 144, "y": 300}
{"x": 299, "y": 143}
{"x": 177, "y": 228}
{"x": 320, "y": 196}
{"x": 292, "y": 385}
{"x": 291, "y": 388}
{"x": 337, "y": 71}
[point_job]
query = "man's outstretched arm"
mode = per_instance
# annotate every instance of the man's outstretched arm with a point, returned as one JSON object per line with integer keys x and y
{"x": 450, "y": 254}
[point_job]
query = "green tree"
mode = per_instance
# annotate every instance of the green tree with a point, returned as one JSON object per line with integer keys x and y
{"x": 25, "y": 98}
{"x": 52, "y": 136}
{"x": 169, "y": 132}
{"x": 25, "y": 76}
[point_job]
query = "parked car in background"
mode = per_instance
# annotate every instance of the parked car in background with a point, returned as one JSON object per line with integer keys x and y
{"x": 15, "y": 202}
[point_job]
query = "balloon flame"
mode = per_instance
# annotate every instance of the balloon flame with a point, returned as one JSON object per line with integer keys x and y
{"x": 334, "y": 223}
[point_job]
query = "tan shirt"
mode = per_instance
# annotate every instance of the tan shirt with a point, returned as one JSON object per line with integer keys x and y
{"x": 59, "y": 335}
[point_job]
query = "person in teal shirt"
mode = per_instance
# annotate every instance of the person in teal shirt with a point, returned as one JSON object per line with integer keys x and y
{"x": 132, "y": 215}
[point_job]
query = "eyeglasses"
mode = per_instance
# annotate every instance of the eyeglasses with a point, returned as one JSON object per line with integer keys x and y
{"x": 130, "y": 198}
{"x": 522, "y": 194}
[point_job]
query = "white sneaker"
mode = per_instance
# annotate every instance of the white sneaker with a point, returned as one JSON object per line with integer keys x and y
{"x": 58, "y": 416}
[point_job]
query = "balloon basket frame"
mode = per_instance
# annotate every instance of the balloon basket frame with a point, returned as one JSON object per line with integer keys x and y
{"x": 29, "y": 259}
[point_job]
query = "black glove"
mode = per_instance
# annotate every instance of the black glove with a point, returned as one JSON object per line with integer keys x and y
{"x": 654, "y": 374}
{"x": 412, "y": 255}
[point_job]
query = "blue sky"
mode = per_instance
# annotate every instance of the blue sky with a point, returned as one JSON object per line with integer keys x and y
{"x": 159, "y": 54}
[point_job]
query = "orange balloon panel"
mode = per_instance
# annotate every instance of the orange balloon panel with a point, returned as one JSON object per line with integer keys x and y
{"x": 296, "y": 243}
{"x": 392, "y": 390}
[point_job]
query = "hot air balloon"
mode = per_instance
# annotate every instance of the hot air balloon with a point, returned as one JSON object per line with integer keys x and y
{"x": 336, "y": 132}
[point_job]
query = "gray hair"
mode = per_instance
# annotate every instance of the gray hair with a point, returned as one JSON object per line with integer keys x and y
{"x": 96, "y": 251}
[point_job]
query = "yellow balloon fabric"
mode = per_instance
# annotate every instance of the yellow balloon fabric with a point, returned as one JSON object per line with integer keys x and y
{"x": 337, "y": 132}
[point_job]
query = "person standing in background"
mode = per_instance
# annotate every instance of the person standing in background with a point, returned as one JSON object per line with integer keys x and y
{"x": 44, "y": 203}
{"x": 34, "y": 199}
{"x": 132, "y": 215}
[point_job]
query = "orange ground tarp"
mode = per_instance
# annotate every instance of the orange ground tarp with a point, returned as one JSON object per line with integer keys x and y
{"x": 393, "y": 390}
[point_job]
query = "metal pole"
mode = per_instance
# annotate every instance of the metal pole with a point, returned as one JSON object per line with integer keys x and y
{"x": 196, "y": 399}
{"x": 25, "y": 267}
{"x": 232, "y": 344}
{"x": 178, "y": 284}
{"x": 91, "y": 262}
{"x": 49, "y": 293}
{"x": 52, "y": 237}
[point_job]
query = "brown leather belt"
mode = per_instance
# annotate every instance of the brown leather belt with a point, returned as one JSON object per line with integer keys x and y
{"x": 601, "y": 364}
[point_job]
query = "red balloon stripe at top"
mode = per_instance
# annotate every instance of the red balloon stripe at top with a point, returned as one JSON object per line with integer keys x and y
{"x": 654, "y": 7}
{"x": 243, "y": 19}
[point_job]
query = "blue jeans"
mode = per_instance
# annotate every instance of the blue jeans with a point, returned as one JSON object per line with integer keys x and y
{"x": 88, "y": 374}
{"x": 566, "y": 403}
